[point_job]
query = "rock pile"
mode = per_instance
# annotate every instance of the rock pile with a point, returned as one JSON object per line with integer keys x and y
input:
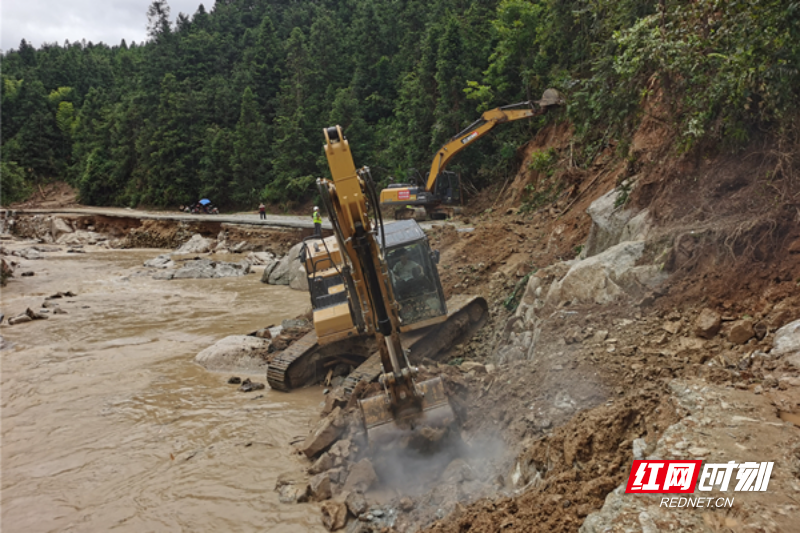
{"x": 47, "y": 307}
{"x": 286, "y": 270}
{"x": 340, "y": 472}
{"x": 204, "y": 269}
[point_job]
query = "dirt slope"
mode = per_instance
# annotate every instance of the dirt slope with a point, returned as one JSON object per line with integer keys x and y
{"x": 731, "y": 226}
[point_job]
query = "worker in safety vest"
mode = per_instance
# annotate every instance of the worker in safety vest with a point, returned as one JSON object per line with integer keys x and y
{"x": 317, "y": 217}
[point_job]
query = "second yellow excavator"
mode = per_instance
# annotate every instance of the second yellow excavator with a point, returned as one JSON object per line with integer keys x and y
{"x": 439, "y": 193}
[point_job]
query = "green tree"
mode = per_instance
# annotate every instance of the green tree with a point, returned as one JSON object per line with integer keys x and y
{"x": 249, "y": 163}
{"x": 13, "y": 185}
{"x": 171, "y": 147}
{"x": 215, "y": 166}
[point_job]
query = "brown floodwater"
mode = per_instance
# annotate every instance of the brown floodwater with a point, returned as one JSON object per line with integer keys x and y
{"x": 109, "y": 425}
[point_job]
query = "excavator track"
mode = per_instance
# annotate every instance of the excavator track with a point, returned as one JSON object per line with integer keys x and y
{"x": 305, "y": 361}
{"x": 466, "y": 315}
{"x": 277, "y": 371}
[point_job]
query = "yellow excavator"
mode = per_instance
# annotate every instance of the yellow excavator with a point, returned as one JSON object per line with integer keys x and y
{"x": 440, "y": 195}
{"x": 375, "y": 290}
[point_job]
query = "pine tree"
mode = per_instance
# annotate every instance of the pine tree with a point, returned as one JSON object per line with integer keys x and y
{"x": 249, "y": 163}
{"x": 215, "y": 166}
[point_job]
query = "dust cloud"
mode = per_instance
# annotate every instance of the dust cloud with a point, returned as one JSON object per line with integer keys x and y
{"x": 413, "y": 471}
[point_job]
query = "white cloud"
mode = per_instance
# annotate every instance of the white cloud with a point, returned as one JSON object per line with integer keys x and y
{"x": 53, "y": 21}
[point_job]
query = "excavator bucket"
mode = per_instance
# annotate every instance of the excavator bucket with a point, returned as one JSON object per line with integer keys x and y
{"x": 418, "y": 428}
{"x": 551, "y": 97}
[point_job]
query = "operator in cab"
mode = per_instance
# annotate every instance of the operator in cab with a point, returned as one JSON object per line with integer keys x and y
{"x": 411, "y": 286}
{"x": 406, "y": 269}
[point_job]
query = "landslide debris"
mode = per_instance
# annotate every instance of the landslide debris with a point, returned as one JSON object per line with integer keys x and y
{"x": 629, "y": 313}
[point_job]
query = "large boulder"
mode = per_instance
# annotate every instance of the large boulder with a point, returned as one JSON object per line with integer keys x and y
{"x": 286, "y": 269}
{"x": 196, "y": 245}
{"x": 59, "y": 227}
{"x": 162, "y": 261}
{"x": 236, "y": 353}
{"x": 606, "y": 277}
{"x": 787, "y": 340}
{"x": 361, "y": 477}
{"x": 325, "y": 433}
{"x": 81, "y": 236}
{"x": 612, "y": 224}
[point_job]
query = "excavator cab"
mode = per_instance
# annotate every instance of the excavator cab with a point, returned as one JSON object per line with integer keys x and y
{"x": 448, "y": 188}
{"x": 415, "y": 279}
{"x": 412, "y": 271}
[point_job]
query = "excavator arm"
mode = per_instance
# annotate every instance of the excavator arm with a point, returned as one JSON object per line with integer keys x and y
{"x": 436, "y": 199}
{"x": 405, "y": 404}
{"x": 347, "y": 205}
{"x": 475, "y": 131}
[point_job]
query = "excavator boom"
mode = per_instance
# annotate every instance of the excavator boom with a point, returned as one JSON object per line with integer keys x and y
{"x": 430, "y": 197}
{"x": 475, "y": 131}
{"x": 378, "y": 294}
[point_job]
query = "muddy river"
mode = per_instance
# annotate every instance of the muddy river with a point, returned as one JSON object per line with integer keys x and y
{"x": 109, "y": 425}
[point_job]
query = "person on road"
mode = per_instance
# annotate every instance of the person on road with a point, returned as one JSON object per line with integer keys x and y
{"x": 262, "y": 211}
{"x": 317, "y": 217}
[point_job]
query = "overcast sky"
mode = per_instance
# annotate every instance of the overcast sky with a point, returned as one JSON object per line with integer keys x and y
{"x": 108, "y": 21}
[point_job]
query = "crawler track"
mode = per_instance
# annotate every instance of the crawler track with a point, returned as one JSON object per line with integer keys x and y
{"x": 466, "y": 315}
{"x": 305, "y": 361}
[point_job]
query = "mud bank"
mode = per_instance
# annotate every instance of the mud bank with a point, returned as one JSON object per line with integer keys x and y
{"x": 130, "y": 229}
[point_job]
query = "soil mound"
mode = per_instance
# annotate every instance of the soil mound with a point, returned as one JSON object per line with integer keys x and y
{"x": 52, "y": 195}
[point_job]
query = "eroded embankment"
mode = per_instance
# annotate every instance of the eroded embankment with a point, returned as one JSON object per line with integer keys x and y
{"x": 131, "y": 231}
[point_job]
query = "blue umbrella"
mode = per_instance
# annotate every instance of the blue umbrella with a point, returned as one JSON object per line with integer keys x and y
{"x": 205, "y": 201}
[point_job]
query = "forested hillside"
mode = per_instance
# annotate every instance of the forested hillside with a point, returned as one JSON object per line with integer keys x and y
{"x": 229, "y": 102}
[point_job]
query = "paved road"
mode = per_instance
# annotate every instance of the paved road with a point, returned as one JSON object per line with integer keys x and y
{"x": 286, "y": 221}
{"x": 283, "y": 221}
